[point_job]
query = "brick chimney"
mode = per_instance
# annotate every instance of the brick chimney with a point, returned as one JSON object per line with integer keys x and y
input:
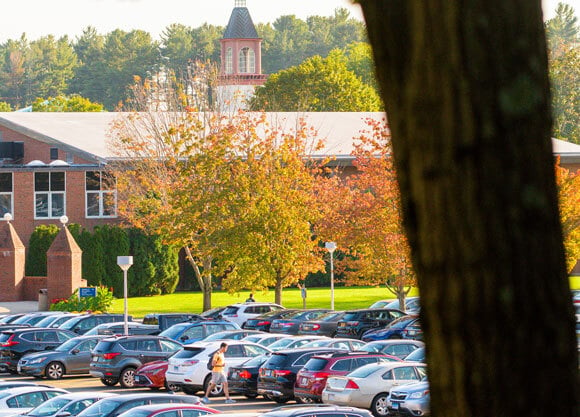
{"x": 12, "y": 258}
{"x": 64, "y": 266}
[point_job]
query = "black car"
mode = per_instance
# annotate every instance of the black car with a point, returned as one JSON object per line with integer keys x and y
{"x": 356, "y": 322}
{"x": 291, "y": 324}
{"x": 166, "y": 320}
{"x": 243, "y": 379}
{"x": 318, "y": 410}
{"x": 278, "y": 374}
{"x": 324, "y": 325}
{"x": 115, "y": 359}
{"x": 264, "y": 321}
{"x": 113, "y": 406}
{"x": 84, "y": 323}
{"x": 18, "y": 342}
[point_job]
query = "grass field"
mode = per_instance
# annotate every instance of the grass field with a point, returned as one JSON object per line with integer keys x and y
{"x": 344, "y": 298}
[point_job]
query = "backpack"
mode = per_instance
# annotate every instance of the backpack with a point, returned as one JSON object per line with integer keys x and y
{"x": 209, "y": 363}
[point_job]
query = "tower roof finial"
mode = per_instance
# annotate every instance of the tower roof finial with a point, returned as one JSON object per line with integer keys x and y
{"x": 240, "y": 3}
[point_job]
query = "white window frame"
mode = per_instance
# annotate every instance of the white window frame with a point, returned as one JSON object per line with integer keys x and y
{"x": 10, "y": 194}
{"x": 100, "y": 195}
{"x": 229, "y": 61}
{"x": 49, "y": 195}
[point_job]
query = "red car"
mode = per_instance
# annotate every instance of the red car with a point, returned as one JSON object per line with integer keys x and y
{"x": 311, "y": 379}
{"x": 152, "y": 375}
{"x": 163, "y": 410}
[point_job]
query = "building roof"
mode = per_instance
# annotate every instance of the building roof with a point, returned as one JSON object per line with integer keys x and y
{"x": 88, "y": 134}
{"x": 240, "y": 25}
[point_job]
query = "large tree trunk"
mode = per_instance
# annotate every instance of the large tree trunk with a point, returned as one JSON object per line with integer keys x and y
{"x": 203, "y": 278}
{"x": 465, "y": 85}
{"x": 278, "y": 290}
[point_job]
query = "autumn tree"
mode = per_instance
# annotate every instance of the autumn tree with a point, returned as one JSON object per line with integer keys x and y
{"x": 569, "y": 197}
{"x": 363, "y": 215}
{"x": 466, "y": 90}
{"x": 5, "y": 106}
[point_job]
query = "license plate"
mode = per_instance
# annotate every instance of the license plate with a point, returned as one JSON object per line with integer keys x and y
{"x": 268, "y": 372}
{"x": 395, "y": 406}
{"x": 304, "y": 381}
{"x": 341, "y": 324}
{"x": 175, "y": 368}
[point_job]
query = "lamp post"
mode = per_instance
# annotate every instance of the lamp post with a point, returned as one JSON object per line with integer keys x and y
{"x": 7, "y": 217}
{"x": 125, "y": 263}
{"x": 330, "y": 247}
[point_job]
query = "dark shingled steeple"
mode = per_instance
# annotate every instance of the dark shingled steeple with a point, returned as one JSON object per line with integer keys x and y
{"x": 240, "y": 25}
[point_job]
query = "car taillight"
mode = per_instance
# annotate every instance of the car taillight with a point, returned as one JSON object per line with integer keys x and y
{"x": 315, "y": 326}
{"x": 263, "y": 323}
{"x": 351, "y": 384}
{"x": 282, "y": 372}
{"x": 109, "y": 356}
{"x": 10, "y": 342}
{"x": 245, "y": 374}
{"x": 319, "y": 376}
{"x": 190, "y": 362}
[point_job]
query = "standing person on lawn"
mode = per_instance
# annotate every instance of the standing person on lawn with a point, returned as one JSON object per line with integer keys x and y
{"x": 218, "y": 375}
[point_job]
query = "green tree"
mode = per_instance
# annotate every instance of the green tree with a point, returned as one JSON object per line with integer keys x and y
{"x": 564, "y": 76}
{"x": 90, "y": 79}
{"x": 115, "y": 242}
{"x": 63, "y": 103}
{"x": 5, "y": 106}
{"x": 562, "y": 29}
{"x": 38, "y": 245}
{"x": 466, "y": 89}
{"x": 13, "y": 79}
{"x": 318, "y": 84}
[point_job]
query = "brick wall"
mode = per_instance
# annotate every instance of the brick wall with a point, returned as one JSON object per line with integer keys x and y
{"x": 31, "y": 288}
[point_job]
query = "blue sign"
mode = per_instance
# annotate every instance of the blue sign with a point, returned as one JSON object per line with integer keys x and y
{"x": 87, "y": 292}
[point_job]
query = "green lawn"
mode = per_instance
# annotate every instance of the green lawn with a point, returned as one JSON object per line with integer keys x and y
{"x": 344, "y": 298}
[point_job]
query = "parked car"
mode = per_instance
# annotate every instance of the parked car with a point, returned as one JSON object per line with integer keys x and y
{"x": 291, "y": 324}
{"x": 278, "y": 374}
{"x": 30, "y": 319}
{"x": 213, "y": 313}
{"x": 347, "y": 344}
{"x": 239, "y": 313}
{"x": 324, "y": 325}
{"x": 293, "y": 342}
{"x": 114, "y": 406}
{"x": 412, "y": 304}
{"x": 192, "y": 332}
{"x": 418, "y": 355}
{"x": 356, "y": 322}
{"x": 396, "y": 347}
{"x": 169, "y": 410}
{"x": 165, "y": 320}
{"x": 21, "y": 400}
{"x": 243, "y": 378}
{"x": 9, "y": 318}
{"x": 14, "y": 344}
{"x": 69, "y": 358}
{"x": 56, "y": 320}
{"x": 410, "y": 400}
{"x": 406, "y": 327}
{"x": 189, "y": 367}
{"x": 369, "y": 385}
{"x": 84, "y": 323}
{"x": 17, "y": 384}
{"x": 115, "y": 359}
{"x": 68, "y": 405}
{"x": 231, "y": 335}
{"x": 264, "y": 321}
{"x": 152, "y": 375}
{"x": 134, "y": 328}
{"x": 311, "y": 379}
{"x": 318, "y": 410}
{"x": 264, "y": 339}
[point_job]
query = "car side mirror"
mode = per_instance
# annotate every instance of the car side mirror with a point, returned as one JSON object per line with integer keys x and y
{"x": 77, "y": 330}
{"x": 184, "y": 338}
{"x": 74, "y": 352}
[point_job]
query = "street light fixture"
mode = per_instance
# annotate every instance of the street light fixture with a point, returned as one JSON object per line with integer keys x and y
{"x": 331, "y": 247}
{"x": 7, "y": 217}
{"x": 125, "y": 263}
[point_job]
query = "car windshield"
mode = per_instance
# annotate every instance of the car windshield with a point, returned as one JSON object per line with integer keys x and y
{"x": 315, "y": 364}
{"x": 400, "y": 322}
{"x": 174, "y": 331}
{"x": 331, "y": 316}
{"x": 187, "y": 353}
{"x": 22, "y": 320}
{"x": 352, "y": 315}
{"x": 219, "y": 336}
{"x": 68, "y": 345}
{"x": 4, "y": 394}
{"x": 47, "y": 321}
{"x": 256, "y": 361}
{"x": 276, "y": 359}
{"x": 49, "y": 407}
{"x": 418, "y": 355}
{"x": 317, "y": 343}
{"x": 282, "y": 343}
{"x": 69, "y": 324}
{"x": 99, "y": 409}
{"x": 364, "y": 371}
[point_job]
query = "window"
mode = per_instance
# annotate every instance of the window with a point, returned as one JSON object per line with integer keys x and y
{"x": 342, "y": 365}
{"x": 229, "y": 61}
{"x": 247, "y": 61}
{"x": 6, "y": 193}
{"x": 147, "y": 345}
{"x": 101, "y": 194}
{"x": 234, "y": 351}
{"x": 53, "y": 154}
{"x": 49, "y": 196}
{"x": 167, "y": 346}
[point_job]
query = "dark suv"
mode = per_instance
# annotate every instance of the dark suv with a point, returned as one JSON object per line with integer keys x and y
{"x": 115, "y": 359}
{"x": 84, "y": 323}
{"x": 166, "y": 320}
{"x": 192, "y": 332}
{"x": 311, "y": 379}
{"x": 278, "y": 374}
{"x": 16, "y": 343}
{"x": 356, "y": 322}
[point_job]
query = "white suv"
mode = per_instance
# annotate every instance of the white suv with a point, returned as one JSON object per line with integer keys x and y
{"x": 239, "y": 313}
{"x": 188, "y": 367}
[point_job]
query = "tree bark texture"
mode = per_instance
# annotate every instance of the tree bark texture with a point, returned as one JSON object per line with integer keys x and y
{"x": 203, "y": 278}
{"x": 465, "y": 85}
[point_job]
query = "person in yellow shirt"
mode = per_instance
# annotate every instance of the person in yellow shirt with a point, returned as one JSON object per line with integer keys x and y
{"x": 218, "y": 374}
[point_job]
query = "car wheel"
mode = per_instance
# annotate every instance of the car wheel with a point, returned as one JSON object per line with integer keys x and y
{"x": 54, "y": 370}
{"x": 216, "y": 391}
{"x": 109, "y": 381}
{"x": 172, "y": 387}
{"x": 188, "y": 390}
{"x": 379, "y": 405}
{"x": 251, "y": 396}
{"x": 281, "y": 400}
{"x": 127, "y": 378}
{"x": 305, "y": 400}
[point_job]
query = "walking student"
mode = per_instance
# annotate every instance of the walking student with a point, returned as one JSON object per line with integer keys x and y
{"x": 218, "y": 374}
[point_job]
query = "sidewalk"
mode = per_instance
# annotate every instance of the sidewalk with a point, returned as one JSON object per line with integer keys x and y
{"x": 18, "y": 307}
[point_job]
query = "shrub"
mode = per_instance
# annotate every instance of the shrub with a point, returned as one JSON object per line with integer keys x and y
{"x": 101, "y": 303}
